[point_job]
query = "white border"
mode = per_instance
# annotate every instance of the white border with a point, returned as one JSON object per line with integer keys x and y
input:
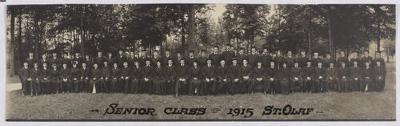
{"x": 193, "y": 123}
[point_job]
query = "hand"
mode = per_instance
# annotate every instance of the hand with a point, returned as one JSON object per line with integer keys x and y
{"x": 101, "y": 78}
{"x": 344, "y": 77}
{"x": 271, "y": 79}
{"x": 295, "y": 78}
{"x": 380, "y": 77}
{"x": 212, "y": 79}
{"x": 308, "y": 78}
{"x": 236, "y": 80}
{"x": 208, "y": 80}
{"x": 74, "y": 78}
{"x": 45, "y": 78}
{"x": 146, "y": 79}
{"x": 246, "y": 77}
{"x": 356, "y": 78}
{"x": 29, "y": 79}
{"x": 320, "y": 77}
{"x": 86, "y": 78}
{"x": 195, "y": 78}
{"x": 224, "y": 80}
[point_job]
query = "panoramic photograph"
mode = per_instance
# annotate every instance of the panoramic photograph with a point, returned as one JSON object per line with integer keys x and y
{"x": 200, "y": 62}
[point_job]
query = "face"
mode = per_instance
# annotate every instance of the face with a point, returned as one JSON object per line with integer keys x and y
{"x": 253, "y": 50}
{"x": 30, "y": 54}
{"x": 244, "y": 62}
{"x": 105, "y": 63}
{"x": 208, "y": 62}
{"x": 319, "y": 65}
{"x": 125, "y": 64}
{"x": 272, "y": 64}
{"x": 95, "y": 66}
{"x": 99, "y": 54}
{"x": 331, "y": 65}
{"x": 158, "y": 64}
{"x": 109, "y": 54}
{"x": 74, "y": 65}
{"x": 215, "y": 49}
{"x": 115, "y": 65}
{"x": 278, "y": 52}
{"x": 195, "y": 64}
{"x": 155, "y": 54}
{"x": 222, "y": 62}
{"x": 315, "y": 55}
{"x": 343, "y": 65}
{"x": 342, "y": 53}
{"x": 44, "y": 65}
{"x": 44, "y": 56}
{"x": 170, "y": 62}
{"x": 308, "y": 63}
{"x": 84, "y": 65}
{"x": 64, "y": 65}
{"x": 35, "y": 65}
{"x": 241, "y": 51}
{"x": 296, "y": 64}
{"x": 25, "y": 65}
{"x": 167, "y": 53}
{"x": 136, "y": 63}
{"x": 147, "y": 63}
{"x": 303, "y": 53}
{"x": 265, "y": 50}
{"x": 182, "y": 62}
{"x": 234, "y": 62}
{"x": 259, "y": 64}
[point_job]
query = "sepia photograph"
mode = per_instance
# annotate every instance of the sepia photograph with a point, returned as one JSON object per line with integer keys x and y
{"x": 200, "y": 62}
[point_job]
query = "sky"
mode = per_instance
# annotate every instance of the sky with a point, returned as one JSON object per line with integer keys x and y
{"x": 219, "y": 9}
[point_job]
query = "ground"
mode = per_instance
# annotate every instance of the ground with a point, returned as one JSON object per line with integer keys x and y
{"x": 327, "y": 106}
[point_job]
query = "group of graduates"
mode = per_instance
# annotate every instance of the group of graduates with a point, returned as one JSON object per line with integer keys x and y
{"x": 226, "y": 72}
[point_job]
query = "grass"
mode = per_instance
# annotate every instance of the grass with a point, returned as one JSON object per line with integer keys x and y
{"x": 331, "y": 105}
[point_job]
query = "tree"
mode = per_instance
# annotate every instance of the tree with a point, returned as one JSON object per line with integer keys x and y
{"x": 243, "y": 22}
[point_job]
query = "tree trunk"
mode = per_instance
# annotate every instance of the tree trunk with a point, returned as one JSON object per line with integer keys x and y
{"x": 18, "y": 44}
{"x": 11, "y": 62}
{"x": 378, "y": 38}
{"x": 191, "y": 28}
{"x": 330, "y": 33}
